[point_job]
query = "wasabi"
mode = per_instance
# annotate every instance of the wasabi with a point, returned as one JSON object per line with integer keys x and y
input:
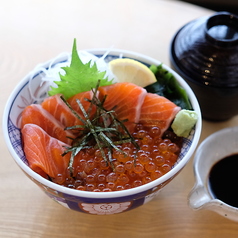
{"x": 184, "y": 121}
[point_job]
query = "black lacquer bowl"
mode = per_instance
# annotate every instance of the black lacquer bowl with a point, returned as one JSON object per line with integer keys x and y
{"x": 205, "y": 53}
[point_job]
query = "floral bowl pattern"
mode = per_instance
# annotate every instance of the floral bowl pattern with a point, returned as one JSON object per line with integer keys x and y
{"x": 30, "y": 90}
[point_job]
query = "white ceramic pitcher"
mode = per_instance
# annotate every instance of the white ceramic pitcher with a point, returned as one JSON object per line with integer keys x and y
{"x": 214, "y": 148}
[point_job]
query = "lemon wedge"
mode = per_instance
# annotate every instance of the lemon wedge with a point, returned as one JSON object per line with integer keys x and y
{"x": 129, "y": 70}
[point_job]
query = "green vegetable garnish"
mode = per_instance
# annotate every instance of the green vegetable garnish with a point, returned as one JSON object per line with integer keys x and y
{"x": 79, "y": 77}
{"x": 168, "y": 87}
{"x": 98, "y": 132}
{"x": 184, "y": 122}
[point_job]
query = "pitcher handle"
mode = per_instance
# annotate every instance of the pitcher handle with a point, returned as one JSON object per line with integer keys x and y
{"x": 198, "y": 197}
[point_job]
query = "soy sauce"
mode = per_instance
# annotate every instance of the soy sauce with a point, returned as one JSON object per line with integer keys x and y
{"x": 223, "y": 180}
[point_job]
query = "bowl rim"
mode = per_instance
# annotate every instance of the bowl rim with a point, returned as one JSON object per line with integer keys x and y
{"x": 114, "y": 194}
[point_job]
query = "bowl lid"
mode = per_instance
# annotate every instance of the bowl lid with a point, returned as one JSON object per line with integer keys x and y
{"x": 206, "y": 50}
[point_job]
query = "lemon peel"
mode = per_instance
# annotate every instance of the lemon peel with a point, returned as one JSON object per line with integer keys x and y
{"x": 133, "y": 71}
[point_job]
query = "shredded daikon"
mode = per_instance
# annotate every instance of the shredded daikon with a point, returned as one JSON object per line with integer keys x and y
{"x": 52, "y": 73}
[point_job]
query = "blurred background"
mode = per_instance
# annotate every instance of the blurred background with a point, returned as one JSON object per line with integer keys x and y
{"x": 217, "y": 5}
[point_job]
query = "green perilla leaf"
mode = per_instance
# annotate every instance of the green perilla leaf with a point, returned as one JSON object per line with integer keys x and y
{"x": 78, "y": 77}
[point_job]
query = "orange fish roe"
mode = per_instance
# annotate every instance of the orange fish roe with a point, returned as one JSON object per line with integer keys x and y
{"x": 155, "y": 158}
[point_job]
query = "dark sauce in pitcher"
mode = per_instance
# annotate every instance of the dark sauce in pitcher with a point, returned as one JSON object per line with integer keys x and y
{"x": 223, "y": 180}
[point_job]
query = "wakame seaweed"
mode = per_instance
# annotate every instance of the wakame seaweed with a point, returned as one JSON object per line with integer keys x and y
{"x": 168, "y": 87}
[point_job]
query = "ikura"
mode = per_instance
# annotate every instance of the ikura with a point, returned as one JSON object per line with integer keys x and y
{"x": 132, "y": 168}
{"x": 108, "y": 142}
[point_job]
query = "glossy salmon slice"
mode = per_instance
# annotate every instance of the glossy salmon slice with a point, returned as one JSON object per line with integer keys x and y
{"x": 35, "y": 114}
{"x": 158, "y": 111}
{"x": 126, "y": 99}
{"x": 84, "y": 98}
{"x": 57, "y": 108}
{"x": 44, "y": 153}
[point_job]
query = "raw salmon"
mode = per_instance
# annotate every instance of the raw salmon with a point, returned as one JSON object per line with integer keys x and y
{"x": 84, "y": 98}
{"x": 44, "y": 137}
{"x": 158, "y": 111}
{"x": 126, "y": 99}
{"x": 57, "y": 107}
{"x": 35, "y": 114}
{"x": 44, "y": 153}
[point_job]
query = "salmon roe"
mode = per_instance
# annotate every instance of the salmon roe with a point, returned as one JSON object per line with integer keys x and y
{"x": 155, "y": 158}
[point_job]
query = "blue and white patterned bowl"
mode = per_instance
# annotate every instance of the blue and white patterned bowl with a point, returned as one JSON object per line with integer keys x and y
{"x": 29, "y": 90}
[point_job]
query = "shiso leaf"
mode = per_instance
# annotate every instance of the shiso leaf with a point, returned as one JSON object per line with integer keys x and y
{"x": 168, "y": 87}
{"x": 78, "y": 77}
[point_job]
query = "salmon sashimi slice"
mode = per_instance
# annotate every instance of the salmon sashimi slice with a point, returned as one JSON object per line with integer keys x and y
{"x": 44, "y": 153}
{"x": 84, "y": 98}
{"x": 158, "y": 111}
{"x": 58, "y": 108}
{"x": 125, "y": 99}
{"x": 35, "y": 114}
